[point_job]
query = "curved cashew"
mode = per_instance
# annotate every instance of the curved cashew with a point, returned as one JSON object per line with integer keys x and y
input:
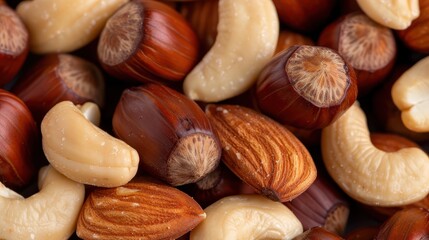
{"x": 63, "y": 25}
{"x": 83, "y": 152}
{"x": 247, "y": 217}
{"x": 246, "y": 40}
{"x": 370, "y": 175}
{"x": 49, "y": 214}
{"x": 391, "y": 13}
{"x": 91, "y": 112}
{"x": 410, "y": 93}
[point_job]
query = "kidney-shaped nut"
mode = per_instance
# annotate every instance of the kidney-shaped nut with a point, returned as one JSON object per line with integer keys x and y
{"x": 370, "y": 175}
{"x": 246, "y": 40}
{"x": 83, "y": 152}
{"x": 391, "y": 13}
{"x": 49, "y": 214}
{"x": 247, "y": 217}
{"x": 63, "y": 25}
{"x": 410, "y": 95}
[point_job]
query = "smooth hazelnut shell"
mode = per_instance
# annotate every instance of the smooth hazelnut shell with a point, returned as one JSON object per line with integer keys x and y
{"x": 416, "y": 36}
{"x": 366, "y": 80}
{"x": 10, "y": 64}
{"x": 152, "y": 119}
{"x": 364, "y": 233}
{"x": 168, "y": 48}
{"x": 19, "y": 135}
{"x": 41, "y": 86}
{"x": 288, "y": 38}
{"x": 274, "y": 91}
{"x": 304, "y": 15}
{"x": 407, "y": 224}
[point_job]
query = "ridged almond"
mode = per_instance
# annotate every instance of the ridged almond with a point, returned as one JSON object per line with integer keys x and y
{"x": 262, "y": 152}
{"x": 141, "y": 209}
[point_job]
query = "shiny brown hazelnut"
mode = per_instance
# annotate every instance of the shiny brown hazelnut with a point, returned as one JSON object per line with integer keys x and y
{"x": 289, "y": 38}
{"x": 416, "y": 36}
{"x": 148, "y": 41}
{"x": 171, "y": 133}
{"x": 367, "y": 46}
{"x": 407, "y": 224}
{"x": 306, "y": 87}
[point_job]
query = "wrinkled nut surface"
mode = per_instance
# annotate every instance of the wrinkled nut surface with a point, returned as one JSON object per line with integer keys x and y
{"x": 62, "y": 25}
{"x": 246, "y": 40}
{"x": 410, "y": 95}
{"x": 83, "y": 152}
{"x": 370, "y": 175}
{"x": 261, "y": 152}
{"x": 391, "y": 13}
{"x": 247, "y": 217}
{"x": 49, "y": 214}
{"x": 141, "y": 209}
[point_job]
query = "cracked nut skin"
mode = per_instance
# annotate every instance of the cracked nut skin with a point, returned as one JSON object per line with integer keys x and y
{"x": 141, "y": 209}
{"x": 407, "y": 224}
{"x": 147, "y": 41}
{"x": 14, "y": 44}
{"x": 171, "y": 133}
{"x": 59, "y": 77}
{"x": 306, "y": 87}
{"x": 261, "y": 152}
{"x": 367, "y": 46}
{"x": 19, "y": 136}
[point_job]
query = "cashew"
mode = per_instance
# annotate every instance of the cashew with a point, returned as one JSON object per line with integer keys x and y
{"x": 83, "y": 152}
{"x": 246, "y": 40}
{"x": 64, "y": 25}
{"x": 395, "y": 14}
{"x": 410, "y": 93}
{"x": 49, "y": 214}
{"x": 91, "y": 112}
{"x": 370, "y": 175}
{"x": 247, "y": 217}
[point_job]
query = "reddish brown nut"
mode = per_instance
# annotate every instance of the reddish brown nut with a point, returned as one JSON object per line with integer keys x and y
{"x": 367, "y": 46}
{"x": 141, "y": 209}
{"x": 262, "y": 153}
{"x": 19, "y": 136}
{"x": 170, "y": 132}
{"x": 288, "y": 38}
{"x": 321, "y": 205}
{"x": 59, "y": 77}
{"x": 304, "y": 15}
{"x": 363, "y": 233}
{"x": 306, "y": 87}
{"x": 13, "y": 43}
{"x": 407, "y": 224}
{"x": 147, "y": 41}
{"x": 317, "y": 233}
{"x": 416, "y": 36}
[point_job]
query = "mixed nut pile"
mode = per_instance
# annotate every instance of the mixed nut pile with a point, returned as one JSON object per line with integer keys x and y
{"x": 214, "y": 119}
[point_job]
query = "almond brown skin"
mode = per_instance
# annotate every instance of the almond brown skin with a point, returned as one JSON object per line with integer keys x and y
{"x": 407, "y": 224}
{"x": 416, "y": 36}
{"x": 154, "y": 119}
{"x": 42, "y": 86}
{"x": 18, "y": 140}
{"x": 261, "y": 152}
{"x": 141, "y": 209}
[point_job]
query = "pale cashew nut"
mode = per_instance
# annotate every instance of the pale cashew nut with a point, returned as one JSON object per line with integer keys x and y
{"x": 64, "y": 25}
{"x": 246, "y": 40}
{"x": 247, "y": 217}
{"x": 83, "y": 152}
{"x": 395, "y": 14}
{"x": 410, "y": 93}
{"x": 370, "y": 175}
{"x": 49, "y": 214}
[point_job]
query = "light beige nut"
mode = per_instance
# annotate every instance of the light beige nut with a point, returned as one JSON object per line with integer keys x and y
{"x": 83, "y": 152}
{"x": 247, "y": 217}
{"x": 246, "y": 40}
{"x": 395, "y": 14}
{"x": 49, "y": 214}
{"x": 64, "y": 25}
{"x": 410, "y": 93}
{"x": 370, "y": 175}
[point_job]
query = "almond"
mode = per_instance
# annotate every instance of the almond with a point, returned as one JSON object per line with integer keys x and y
{"x": 261, "y": 152}
{"x": 142, "y": 209}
